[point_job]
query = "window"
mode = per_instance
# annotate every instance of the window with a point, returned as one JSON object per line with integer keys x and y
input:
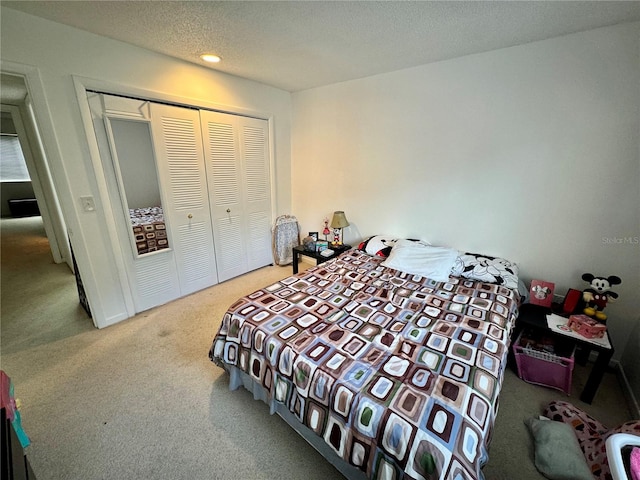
{"x": 12, "y": 165}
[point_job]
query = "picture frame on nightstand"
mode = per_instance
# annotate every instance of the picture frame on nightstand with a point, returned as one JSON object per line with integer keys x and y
{"x": 541, "y": 293}
{"x": 321, "y": 245}
{"x": 314, "y": 235}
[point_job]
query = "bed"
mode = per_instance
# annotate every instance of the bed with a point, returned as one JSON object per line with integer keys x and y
{"x": 149, "y": 229}
{"x": 389, "y": 374}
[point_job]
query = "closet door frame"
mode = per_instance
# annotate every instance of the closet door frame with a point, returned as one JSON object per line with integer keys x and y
{"x": 81, "y": 86}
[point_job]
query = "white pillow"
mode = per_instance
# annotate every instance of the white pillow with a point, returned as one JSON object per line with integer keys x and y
{"x": 418, "y": 258}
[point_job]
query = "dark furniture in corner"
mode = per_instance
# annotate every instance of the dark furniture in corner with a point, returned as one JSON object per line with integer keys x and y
{"x": 299, "y": 250}
{"x": 24, "y": 207}
{"x": 535, "y": 316}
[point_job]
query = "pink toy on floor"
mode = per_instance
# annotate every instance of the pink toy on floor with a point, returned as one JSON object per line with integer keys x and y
{"x": 592, "y": 435}
{"x": 635, "y": 463}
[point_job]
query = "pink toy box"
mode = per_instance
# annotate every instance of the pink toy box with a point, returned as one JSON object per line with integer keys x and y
{"x": 542, "y": 367}
{"x": 586, "y": 326}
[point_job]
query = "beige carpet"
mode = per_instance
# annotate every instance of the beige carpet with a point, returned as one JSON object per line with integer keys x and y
{"x": 39, "y": 298}
{"x": 141, "y": 400}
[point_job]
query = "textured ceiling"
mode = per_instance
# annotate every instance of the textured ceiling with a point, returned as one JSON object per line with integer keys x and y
{"x": 296, "y": 45}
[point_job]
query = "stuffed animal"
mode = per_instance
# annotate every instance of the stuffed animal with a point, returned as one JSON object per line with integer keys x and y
{"x": 598, "y": 294}
{"x": 378, "y": 245}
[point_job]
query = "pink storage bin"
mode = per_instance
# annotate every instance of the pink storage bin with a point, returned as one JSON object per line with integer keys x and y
{"x": 543, "y": 368}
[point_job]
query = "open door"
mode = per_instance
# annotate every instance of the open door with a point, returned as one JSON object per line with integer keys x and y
{"x": 39, "y": 176}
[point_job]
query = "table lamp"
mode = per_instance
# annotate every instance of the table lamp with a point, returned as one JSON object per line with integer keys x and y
{"x": 338, "y": 222}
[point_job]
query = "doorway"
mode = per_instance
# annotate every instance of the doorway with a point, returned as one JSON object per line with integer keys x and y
{"x": 39, "y": 295}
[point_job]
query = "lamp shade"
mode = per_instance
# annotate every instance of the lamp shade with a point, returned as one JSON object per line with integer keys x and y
{"x": 339, "y": 220}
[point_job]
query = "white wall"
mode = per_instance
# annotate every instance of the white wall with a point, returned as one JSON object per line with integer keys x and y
{"x": 58, "y": 52}
{"x": 530, "y": 153}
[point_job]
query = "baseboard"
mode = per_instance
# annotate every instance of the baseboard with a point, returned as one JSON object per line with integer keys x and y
{"x": 634, "y": 405}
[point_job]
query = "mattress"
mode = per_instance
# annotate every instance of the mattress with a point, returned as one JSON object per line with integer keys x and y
{"x": 398, "y": 374}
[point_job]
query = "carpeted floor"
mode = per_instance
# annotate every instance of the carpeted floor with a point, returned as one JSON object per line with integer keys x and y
{"x": 141, "y": 400}
{"x": 39, "y": 298}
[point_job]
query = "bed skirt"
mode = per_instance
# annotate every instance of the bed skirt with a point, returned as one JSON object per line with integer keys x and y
{"x": 237, "y": 379}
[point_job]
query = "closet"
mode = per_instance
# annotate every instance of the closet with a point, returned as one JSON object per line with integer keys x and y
{"x": 189, "y": 194}
{"x": 236, "y": 155}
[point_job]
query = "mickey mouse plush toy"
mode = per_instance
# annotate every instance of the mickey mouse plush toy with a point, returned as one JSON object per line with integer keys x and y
{"x": 598, "y": 294}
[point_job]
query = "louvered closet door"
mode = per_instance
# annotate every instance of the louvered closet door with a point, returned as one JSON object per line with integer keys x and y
{"x": 153, "y": 279}
{"x": 254, "y": 152}
{"x": 178, "y": 143}
{"x": 237, "y": 163}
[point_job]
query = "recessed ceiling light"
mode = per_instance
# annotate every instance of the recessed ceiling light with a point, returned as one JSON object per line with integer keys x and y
{"x": 208, "y": 57}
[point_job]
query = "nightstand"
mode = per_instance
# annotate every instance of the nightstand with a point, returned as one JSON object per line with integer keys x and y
{"x": 299, "y": 250}
{"x": 535, "y": 316}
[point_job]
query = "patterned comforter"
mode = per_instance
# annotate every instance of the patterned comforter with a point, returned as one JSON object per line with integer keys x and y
{"x": 398, "y": 373}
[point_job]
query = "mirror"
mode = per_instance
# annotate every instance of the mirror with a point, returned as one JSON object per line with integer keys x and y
{"x": 135, "y": 167}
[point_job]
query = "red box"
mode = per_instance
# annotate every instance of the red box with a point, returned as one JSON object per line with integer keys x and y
{"x": 586, "y": 326}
